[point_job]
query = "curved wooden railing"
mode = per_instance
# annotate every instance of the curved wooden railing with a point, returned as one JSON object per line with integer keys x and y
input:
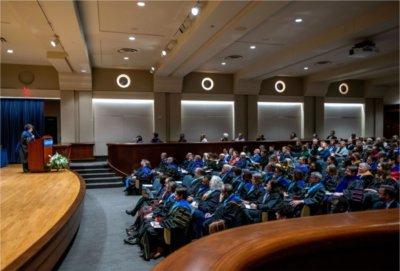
{"x": 351, "y": 241}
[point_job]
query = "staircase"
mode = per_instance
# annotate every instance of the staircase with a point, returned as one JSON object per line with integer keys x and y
{"x": 97, "y": 174}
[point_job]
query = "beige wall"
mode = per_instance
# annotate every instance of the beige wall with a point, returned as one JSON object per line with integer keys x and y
{"x": 76, "y": 117}
{"x": 52, "y": 109}
{"x": 105, "y": 80}
{"x": 45, "y": 77}
{"x": 356, "y": 89}
{"x": 223, "y": 83}
{"x": 294, "y": 86}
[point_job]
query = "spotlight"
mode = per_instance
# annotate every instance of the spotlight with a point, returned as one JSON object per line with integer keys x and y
{"x": 132, "y": 38}
{"x": 305, "y": 68}
{"x": 252, "y": 47}
{"x": 223, "y": 63}
{"x": 152, "y": 69}
{"x": 298, "y": 20}
{"x": 54, "y": 43}
{"x": 126, "y": 58}
{"x": 10, "y": 51}
{"x": 195, "y": 10}
{"x": 141, "y": 4}
{"x": 163, "y": 53}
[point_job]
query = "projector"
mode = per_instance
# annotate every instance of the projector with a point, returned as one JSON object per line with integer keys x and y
{"x": 363, "y": 49}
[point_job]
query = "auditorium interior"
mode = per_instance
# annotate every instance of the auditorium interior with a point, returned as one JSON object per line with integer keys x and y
{"x": 199, "y": 135}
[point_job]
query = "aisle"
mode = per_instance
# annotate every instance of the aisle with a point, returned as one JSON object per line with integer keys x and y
{"x": 99, "y": 242}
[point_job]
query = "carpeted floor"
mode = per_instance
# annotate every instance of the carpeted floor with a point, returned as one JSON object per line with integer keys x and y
{"x": 99, "y": 242}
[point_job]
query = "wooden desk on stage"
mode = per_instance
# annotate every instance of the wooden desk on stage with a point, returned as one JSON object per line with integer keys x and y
{"x": 40, "y": 214}
{"x": 349, "y": 241}
{"x": 123, "y": 157}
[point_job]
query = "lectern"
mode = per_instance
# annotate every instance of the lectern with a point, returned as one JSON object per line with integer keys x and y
{"x": 39, "y": 151}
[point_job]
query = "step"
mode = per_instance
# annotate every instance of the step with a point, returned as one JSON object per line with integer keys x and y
{"x": 97, "y": 164}
{"x": 92, "y": 170}
{"x": 102, "y": 180}
{"x": 103, "y": 185}
{"x": 97, "y": 174}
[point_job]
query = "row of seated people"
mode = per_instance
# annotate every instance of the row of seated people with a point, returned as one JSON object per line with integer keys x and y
{"x": 194, "y": 202}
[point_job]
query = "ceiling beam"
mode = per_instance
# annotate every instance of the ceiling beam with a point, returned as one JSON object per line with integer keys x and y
{"x": 382, "y": 18}
{"x": 387, "y": 63}
{"x": 230, "y": 20}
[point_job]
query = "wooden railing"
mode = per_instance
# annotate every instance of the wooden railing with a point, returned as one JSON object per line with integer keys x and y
{"x": 351, "y": 241}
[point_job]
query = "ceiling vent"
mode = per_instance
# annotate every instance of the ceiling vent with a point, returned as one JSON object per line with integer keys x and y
{"x": 323, "y": 62}
{"x": 234, "y": 57}
{"x": 126, "y": 50}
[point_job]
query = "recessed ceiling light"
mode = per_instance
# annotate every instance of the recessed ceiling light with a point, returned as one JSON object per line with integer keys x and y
{"x": 223, "y": 63}
{"x": 252, "y": 47}
{"x": 305, "y": 68}
{"x": 126, "y": 58}
{"x": 195, "y": 10}
{"x": 298, "y": 20}
{"x": 10, "y": 51}
{"x": 132, "y": 38}
{"x": 141, "y": 4}
{"x": 163, "y": 53}
{"x": 53, "y": 43}
{"x": 83, "y": 71}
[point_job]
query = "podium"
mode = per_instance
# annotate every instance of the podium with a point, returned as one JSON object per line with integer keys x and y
{"x": 38, "y": 153}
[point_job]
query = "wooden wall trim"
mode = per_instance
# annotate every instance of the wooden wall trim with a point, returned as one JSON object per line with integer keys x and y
{"x": 263, "y": 245}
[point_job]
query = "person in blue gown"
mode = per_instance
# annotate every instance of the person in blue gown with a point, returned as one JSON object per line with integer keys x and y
{"x": 26, "y": 137}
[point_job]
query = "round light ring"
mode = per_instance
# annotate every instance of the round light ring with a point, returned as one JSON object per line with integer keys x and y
{"x": 123, "y": 81}
{"x": 209, "y": 81}
{"x": 280, "y": 86}
{"x": 343, "y": 88}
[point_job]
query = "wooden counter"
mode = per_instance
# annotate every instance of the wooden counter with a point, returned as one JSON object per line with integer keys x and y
{"x": 351, "y": 241}
{"x": 40, "y": 214}
{"x": 75, "y": 151}
{"x": 123, "y": 157}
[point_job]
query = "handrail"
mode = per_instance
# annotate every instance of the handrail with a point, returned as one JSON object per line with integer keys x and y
{"x": 268, "y": 245}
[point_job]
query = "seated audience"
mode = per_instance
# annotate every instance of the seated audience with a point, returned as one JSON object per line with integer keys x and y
{"x": 240, "y": 137}
{"x": 203, "y": 138}
{"x": 225, "y": 137}
{"x": 155, "y": 139}
{"x": 182, "y": 138}
{"x": 260, "y": 138}
{"x": 261, "y": 184}
{"x": 139, "y": 139}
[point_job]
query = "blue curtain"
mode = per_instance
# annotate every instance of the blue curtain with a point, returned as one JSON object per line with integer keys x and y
{"x": 15, "y": 113}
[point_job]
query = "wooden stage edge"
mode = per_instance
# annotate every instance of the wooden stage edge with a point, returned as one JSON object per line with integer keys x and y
{"x": 40, "y": 215}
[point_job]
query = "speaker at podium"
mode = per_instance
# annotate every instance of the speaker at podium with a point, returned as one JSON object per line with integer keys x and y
{"x": 39, "y": 152}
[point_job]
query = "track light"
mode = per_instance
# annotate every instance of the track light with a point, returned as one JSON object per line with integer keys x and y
{"x": 54, "y": 42}
{"x": 152, "y": 69}
{"x": 163, "y": 53}
{"x": 195, "y": 10}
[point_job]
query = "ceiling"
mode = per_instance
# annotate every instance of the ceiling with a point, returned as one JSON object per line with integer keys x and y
{"x": 92, "y": 32}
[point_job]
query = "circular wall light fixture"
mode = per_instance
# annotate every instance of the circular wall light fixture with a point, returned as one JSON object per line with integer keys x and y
{"x": 207, "y": 83}
{"x": 343, "y": 88}
{"x": 280, "y": 86}
{"x": 123, "y": 81}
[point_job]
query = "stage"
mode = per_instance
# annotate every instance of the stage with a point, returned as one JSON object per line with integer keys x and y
{"x": 40, "y": 214}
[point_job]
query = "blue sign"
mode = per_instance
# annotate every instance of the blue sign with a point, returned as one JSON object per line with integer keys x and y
{"x": 48, "y": 142}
